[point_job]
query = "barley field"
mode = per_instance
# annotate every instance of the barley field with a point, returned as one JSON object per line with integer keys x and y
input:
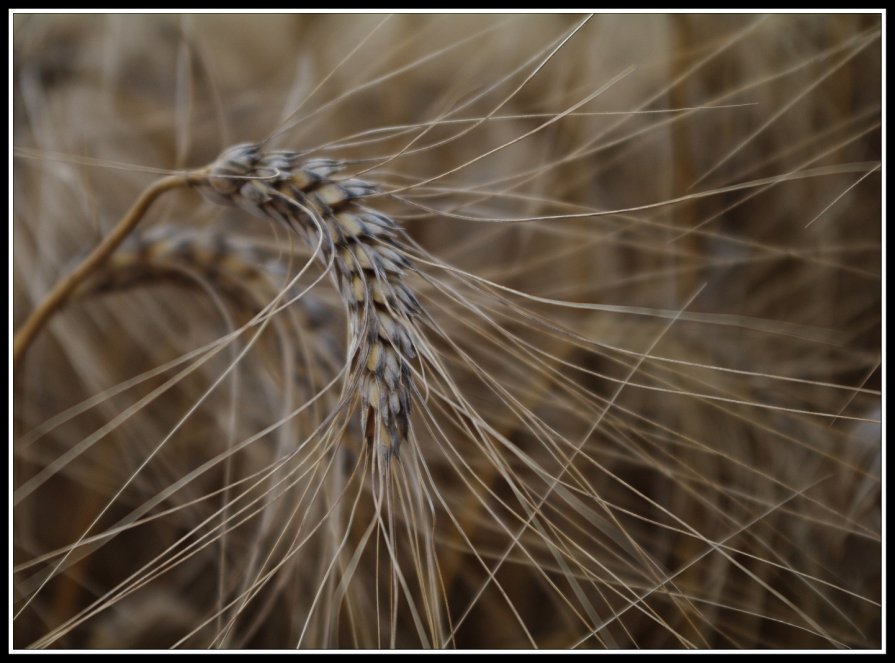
{"x": 446, "y": 331}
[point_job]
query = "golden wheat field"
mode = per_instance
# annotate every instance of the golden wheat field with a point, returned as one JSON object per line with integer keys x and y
{"x": 447, "y": 331}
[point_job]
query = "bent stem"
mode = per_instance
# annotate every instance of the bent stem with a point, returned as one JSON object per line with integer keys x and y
{"x": 63, "y": 289}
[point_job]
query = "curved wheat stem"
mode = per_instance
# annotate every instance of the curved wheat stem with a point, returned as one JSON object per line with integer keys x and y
{"x": 57, "y": 297}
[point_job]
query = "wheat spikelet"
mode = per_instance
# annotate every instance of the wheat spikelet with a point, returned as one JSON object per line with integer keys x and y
{"x": 637, "y": 259}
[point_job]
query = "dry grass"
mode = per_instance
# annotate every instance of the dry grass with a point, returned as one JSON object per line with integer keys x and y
{"x": 635, "y": 267}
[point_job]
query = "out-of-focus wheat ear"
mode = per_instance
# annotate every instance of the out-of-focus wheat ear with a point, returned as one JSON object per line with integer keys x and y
{"x": 169, "y": 253}
{"x": 368, "y": 266}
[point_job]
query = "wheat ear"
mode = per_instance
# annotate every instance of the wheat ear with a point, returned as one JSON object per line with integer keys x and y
{"x": 171, "y": 253}
{"x": 363, "y": 247}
